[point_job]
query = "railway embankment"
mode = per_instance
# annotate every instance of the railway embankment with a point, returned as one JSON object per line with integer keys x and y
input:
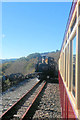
{"x": 49, "y": 103}
{"x": 49, "y": 106}
{"x": 11, "y": 96}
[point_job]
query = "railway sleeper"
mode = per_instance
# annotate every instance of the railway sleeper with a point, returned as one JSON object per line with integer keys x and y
{"x": 34, "y": 106}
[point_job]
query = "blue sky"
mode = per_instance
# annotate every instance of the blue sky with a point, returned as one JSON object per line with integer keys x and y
{"x": 32, "y": 27}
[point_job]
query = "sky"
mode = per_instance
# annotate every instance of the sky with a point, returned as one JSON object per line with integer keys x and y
{"x": 32, "y": 27}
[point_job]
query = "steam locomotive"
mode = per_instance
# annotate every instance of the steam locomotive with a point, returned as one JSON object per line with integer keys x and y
{"x": 46, "y": 68}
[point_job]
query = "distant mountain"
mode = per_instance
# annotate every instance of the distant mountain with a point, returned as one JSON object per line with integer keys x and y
{"x": 25, "y": 65}
{"x": 7, "y": 60}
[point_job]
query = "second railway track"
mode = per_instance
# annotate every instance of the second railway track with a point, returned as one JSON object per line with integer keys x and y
{"x": 20, "y": 110}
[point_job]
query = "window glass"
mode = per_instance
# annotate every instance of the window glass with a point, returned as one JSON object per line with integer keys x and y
{"x": 74, "y": 22}
{"x": 65, "y": 64}
{"x": 79, "y": 9}
{"x": 74, "y": 65}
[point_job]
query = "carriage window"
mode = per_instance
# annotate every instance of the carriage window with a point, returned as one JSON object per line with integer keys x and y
{"x": 79, "y": 9}
{"x": 74, "y": 65}
{"x": 68, "y": 35}
{"x": 65, "y": 64}
{"x": 74, "y": 22}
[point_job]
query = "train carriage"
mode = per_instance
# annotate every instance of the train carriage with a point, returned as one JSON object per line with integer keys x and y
{"x": 69, "y": 65}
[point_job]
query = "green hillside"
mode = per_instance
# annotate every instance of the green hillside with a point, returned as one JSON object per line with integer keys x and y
{"x": 24, "y": 65}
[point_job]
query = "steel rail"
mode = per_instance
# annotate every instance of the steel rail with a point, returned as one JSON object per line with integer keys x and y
{"x": 24, "y": 116}
{"x": 7, "y": 115}
{"x": 10, "y": 108}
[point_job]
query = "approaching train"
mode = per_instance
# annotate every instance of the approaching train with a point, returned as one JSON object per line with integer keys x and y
{"x": 69, "y": 66}
{"x": 46, "y": 68}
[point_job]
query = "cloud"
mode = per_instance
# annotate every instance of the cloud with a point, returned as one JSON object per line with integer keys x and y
{"x": 3, "y": 35}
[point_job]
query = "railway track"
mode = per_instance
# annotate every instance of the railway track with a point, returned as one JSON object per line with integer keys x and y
{"x": 22, "y": 108}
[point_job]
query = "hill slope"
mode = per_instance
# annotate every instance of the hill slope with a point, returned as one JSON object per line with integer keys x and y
{"x": 26, "y": 65}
